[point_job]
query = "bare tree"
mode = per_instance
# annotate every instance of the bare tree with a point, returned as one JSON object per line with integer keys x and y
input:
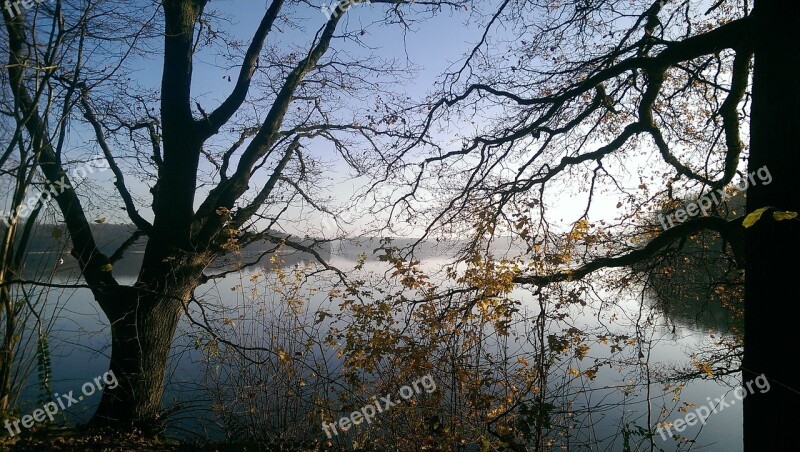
{"x": 25, "y": 324}
{"x": 251, "y": 149}
{"x": 599, "y": 91}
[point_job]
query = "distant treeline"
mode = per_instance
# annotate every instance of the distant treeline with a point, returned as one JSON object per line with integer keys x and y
{"x": 49, "y": 247}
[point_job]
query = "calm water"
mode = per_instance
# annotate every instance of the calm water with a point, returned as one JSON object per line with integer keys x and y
{"x": 79, "y": 344}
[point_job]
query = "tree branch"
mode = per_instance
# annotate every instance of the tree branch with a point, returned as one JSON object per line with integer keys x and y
{"x": 224, "y": 112}
{"x": 728, "y": 229}
{"x": 90, "y": 259}
{"x": 227, "y": 192}
{"x": 130, "y": 206}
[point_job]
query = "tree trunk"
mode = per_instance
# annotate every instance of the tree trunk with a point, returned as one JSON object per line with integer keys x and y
{"x": 141, "y": 335}
{"x": 9, "y": 318}
{"x": 772, "y": 248}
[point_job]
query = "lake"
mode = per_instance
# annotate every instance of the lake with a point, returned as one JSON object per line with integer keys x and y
{"x": 618, "y": 395}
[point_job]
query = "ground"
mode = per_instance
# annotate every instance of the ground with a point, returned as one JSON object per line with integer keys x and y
{"x": 74, "y": 440}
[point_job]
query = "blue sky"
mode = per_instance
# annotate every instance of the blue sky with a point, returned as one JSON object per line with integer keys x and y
{"x": 431, "y": 46}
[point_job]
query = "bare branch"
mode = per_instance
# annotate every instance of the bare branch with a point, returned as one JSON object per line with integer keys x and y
{"x": 130, "y": 206}
{"x": 224, "y": 112}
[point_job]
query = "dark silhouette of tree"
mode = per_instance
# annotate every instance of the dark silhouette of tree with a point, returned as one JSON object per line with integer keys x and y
{"x": 24, "y": 330}
{"x": 252, "y": 144}
{"x": 580, "y": 93}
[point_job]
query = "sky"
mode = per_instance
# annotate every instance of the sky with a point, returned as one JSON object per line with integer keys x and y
{"x": 432, "y": 46}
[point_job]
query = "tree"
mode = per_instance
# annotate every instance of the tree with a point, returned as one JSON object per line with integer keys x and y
{"x": 653, "y": 93}
{"x": 24, "y": 330}
{"x": 258, "y": 165}
{"x": 25, "y": 327}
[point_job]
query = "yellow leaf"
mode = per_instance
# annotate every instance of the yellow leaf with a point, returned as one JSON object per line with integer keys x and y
{"x": 581, "y": 351}
{"x": 754, "y": 216}
{"x": 106, "y": 268}
{"x": 283, "y": 356}
{"x": 780, "y": 216}
{"x": 705, "y": 368}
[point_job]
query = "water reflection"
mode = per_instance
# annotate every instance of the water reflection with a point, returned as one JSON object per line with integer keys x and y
{"x": 81, "y": 342}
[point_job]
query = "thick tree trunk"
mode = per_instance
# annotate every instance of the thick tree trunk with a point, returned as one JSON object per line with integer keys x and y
{"x": 143, "y": 321}
{"x": 772, "y": 309}
{"x": 141, "y": 335}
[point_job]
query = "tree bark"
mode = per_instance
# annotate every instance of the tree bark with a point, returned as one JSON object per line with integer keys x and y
{"x": 771, "y": 308}
{"x": 143, "y": 324}
{"x": 141, "y": 335}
